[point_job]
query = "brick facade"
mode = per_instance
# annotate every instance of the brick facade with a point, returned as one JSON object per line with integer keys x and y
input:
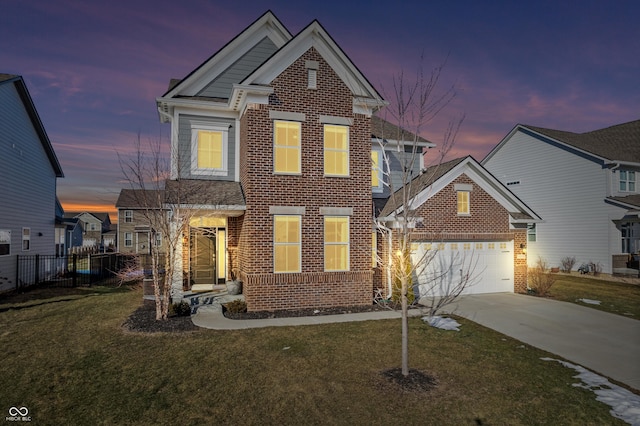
{"x": 263, "y": 289}
{"x": 488, "y": 221}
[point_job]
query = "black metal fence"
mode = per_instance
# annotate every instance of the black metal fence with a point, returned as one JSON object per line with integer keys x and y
{"x": 73, "y": 270}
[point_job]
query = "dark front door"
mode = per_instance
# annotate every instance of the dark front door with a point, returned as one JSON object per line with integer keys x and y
{"x": 203, "y": 255}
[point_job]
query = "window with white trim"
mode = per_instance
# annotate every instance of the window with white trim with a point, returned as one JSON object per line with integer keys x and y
{"x": 158, "y": 239}
{"x": 376, "y": 171}
{"x": 463, "y": 203}
{"x": 128, "y": 239}
{"x": 286, "y": 243}
{"x": 209, "y": 149}
{"x": 336, "y": 243}
{"x": 627, "y": 181}
{"x": 336, "y": 150}
{"x": 286, "y": 147}
{"x": 128, "y": 216}
{"x": 531, "y": 232}
{"x": 26, "y": 239}
{"x": 5, "y": 242}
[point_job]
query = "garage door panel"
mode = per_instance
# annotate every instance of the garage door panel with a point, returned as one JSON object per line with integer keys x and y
{"x": 487, "y": 266}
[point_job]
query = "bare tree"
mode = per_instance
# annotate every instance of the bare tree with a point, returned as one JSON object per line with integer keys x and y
{"x": 414, "y": 104}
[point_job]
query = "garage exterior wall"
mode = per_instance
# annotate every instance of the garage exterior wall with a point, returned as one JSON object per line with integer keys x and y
{"x": 488, "y": 221}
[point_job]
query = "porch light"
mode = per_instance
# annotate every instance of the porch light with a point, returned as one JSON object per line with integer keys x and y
{"x": 524, "y": 248}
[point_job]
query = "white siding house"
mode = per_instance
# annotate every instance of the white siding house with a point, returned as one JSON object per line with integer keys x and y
{"x": 29, "y": 171}
{"x": 573, "y": 181}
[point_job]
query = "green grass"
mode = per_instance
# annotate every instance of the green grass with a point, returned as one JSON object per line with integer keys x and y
{"x": 615, "y": 297}
{"x": 67, "y": 360}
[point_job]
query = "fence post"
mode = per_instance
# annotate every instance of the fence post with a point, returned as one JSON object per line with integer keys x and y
{"x": 17, "y": 281}
{"x": 37, "y": 281}
{"x": 74, "y": 272}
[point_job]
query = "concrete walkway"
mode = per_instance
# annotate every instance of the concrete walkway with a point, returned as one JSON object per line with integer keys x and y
{"x": 602, "y": 342}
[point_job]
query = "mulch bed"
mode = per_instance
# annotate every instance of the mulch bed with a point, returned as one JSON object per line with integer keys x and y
{"x": 143, "y": 320}
{"x": 307, "y": 312}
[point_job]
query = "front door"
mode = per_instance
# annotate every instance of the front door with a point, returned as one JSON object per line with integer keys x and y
{"x": 203, "y": 255}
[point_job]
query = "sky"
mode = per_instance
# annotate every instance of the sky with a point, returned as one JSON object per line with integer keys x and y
{"x": 95, "y": 68}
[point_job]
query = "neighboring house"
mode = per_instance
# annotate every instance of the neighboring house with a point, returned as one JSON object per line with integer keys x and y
{"x": 585, "y": 187}
{"x": 469, "y": 218}
{"x": 134, "y": 233}
{"x": 29, "y": 171}
{"x": 279, "y": 129}
{"x": 68, "y": 232}
{"x": 93, "y": 226}
{"x": 110, "y": 239}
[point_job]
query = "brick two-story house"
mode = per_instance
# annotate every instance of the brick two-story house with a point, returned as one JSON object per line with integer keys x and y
{"x": 278, "y": 126}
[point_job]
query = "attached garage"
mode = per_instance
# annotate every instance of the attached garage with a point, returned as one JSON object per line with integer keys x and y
{"x": 485, "y": 266}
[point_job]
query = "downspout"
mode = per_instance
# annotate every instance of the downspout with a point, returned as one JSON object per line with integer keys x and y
{"x": 390, "y": 255}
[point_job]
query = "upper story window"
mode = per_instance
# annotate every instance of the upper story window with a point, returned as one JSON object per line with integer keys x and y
{"x": 376, "y": 171}
{"x": 336, "y": 150}
{"x": 463, "y": 203}
{"x": 26, "y": 239}
{"x": 209, "y": 149}
{"x": 286, "y": 147}
{"x": 128, "y": 216}
{"x": 627, "y": 181}
{"x": 286, "y": 243}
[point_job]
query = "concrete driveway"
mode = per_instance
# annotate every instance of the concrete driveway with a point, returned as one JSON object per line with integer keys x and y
{"x": 605, "y": 343}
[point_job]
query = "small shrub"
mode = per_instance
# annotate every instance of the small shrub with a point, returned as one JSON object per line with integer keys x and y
{"x": 595, "y": 267}
{"x": 180, "y": 309}
{"x": 236, "y": 306}
{"x": 568, "y": 263}
{"x": 540, "y": 280}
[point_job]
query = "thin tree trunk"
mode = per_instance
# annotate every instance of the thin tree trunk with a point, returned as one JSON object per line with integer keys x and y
{"x": 405, "y": 327}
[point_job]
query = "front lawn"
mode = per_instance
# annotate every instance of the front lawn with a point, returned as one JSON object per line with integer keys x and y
{"x": 615, "y": 297}
{"x": 67, "y": 359}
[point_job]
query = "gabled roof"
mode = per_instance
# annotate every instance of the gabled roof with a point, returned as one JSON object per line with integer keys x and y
{"x": 102, "y": 217}
{"x": 619, "y": 143}
{"x": 21, "y": 88}
{"x": 385, "y": 131}
{"x": 314, "y": 35}
{"x": 255, "y": 82}
{"x": 435, "y": 178}
{"x": 222, "y": 195}
{"x": 139, "y": 198}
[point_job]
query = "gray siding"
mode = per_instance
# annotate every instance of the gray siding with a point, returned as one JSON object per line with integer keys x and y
{"x": 396, "y": 162}
{"x": 568, "y": 192}
{"x": 222, "y": 85}
{"x": 28, "y": 190}
{"x": 184, "y": 147}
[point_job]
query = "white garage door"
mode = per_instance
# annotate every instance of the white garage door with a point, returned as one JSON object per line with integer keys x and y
{"x": 487, "y": 267}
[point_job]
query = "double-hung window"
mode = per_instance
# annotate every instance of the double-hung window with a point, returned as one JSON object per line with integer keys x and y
{"x": 128, "y": 216}
{"x": 336, "y": 243}
{"x": 376, "y": 171}
{"x": 627, "y": 181}
{"x": 128, "y": 239}
{"x": 26, "y": 239}
{"x": 336, "y": 150}
{"x": 286, "y": 243}
{"x": 5, "y": 242}
{"x": 463, "y": 203}
{"x": 286, "y": 147}
{"x": 209, "y": 148}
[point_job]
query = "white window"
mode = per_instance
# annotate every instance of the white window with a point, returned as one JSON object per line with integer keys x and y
{"x": 376, "y": 171}
{"x": 158, "y": 239}
{"x": 336, "y": 150}
{"x": 531, "y": 232}
{"x": 26, "y": 239}
{"x": 627, "y": 181}
{"x": 128, "y": 216}
{"x": 336, "y": 243}
{"x": 286, "y": 243}
{"x": 286, "y": 147}
{"x": 128, "y": 239}
{"x": 463, "y": 203}
{"x": 5, "y": 242}
{"x": 209, "y": 148}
